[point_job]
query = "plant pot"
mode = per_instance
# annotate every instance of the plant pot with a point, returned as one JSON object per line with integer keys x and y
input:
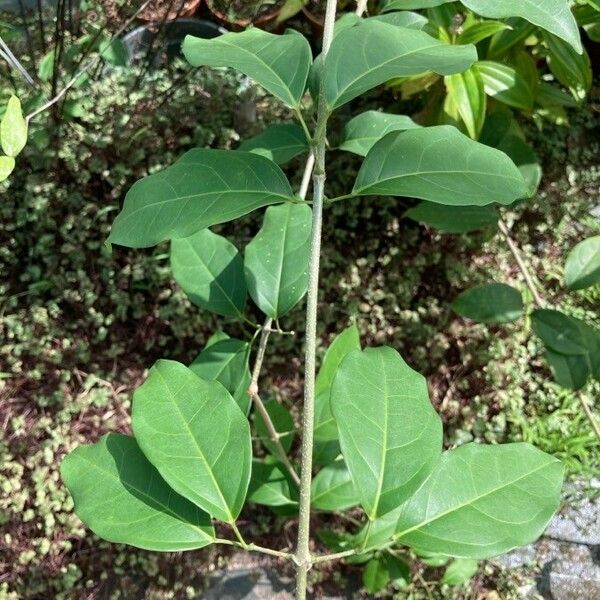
{"x": 215, "y": 6}
{"x": 155, "y": 11}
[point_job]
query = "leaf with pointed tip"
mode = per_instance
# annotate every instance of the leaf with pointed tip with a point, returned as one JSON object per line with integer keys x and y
{"x": 282, "y": 421}
{"x": 505, "y": 84}
{"x": 13, "y": 128}
{"x": 210, "y": 271}
{"x": 391, "y": 436}
{"x": 226, "y": 361}
{"x": 373, "y": 52}
{"x": 280, "y": 142}
{"x": 332, "y": 489}
{"x": 197, "y": 437}
{"x": 454, "y": 219}
{"x": 442, "y": 165}
{"x": 481, "y": 30}
{"x": 582, "y": 268}
{"x": 203, "y": 188}
{"x": 466, "y": 91}
{"x": 276, "y": 260}
{"x": 122, "y": 498}
{"x": 490, "y": 303}
{"x": 280, "y": 63}
{"x": 570, "y": 370}
{"x": 269, "y": 486}
{"x": 482, "y": 501}
{"x": 363, "y": 131}
{"x": 7, "y": 166}
{"x": 559, "y": 332}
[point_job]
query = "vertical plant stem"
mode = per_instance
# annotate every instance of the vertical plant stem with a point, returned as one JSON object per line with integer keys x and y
{"x": 303, "y": 557}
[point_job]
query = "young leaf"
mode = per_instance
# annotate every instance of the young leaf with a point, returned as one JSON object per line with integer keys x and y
{"x": 121, "y": 497}
{"x": 332, "y": 488}
{"x": 343, "y": 344}
{"x": 481, "y": 501}
{"x": 552, "y": 15}
{"x": 7, "y": 166}
{"x": 203, "y": 188}
{"x": 226, "y": 361}
{"x": 505, "y": 84}
{"x": 197, "y": 437}
{"x": 442, "y": 165}
{"x": 276, "y": 260}
{"x": 210, "y": 271}
{"x": 13, "y": 128}
{"x": 490, "y": 303}
{"x": 582, "y": 268}
{"x": 280, "y": 63}
{"x": 454, "y": 219}
{"x": 460, "y": 571}
{"x": 376, "y": 575}
{"x": 467, "y": 93}
{"x": 391, "y": 436}
{"x": 282, "y": 421}
{"x": 280, "y": 142}
{"x": 362, "y": 132}
{"x": 481, "y": 30}
{"x": 374, "y": 52}
{"x": 559, "y": 332}
{"x": 270, "y": 486}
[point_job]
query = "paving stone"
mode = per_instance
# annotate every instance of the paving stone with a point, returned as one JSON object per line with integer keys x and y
{"x": 258, "y": 583}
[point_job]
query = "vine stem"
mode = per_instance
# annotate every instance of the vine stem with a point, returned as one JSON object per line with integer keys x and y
{"x": 303, "y": 557}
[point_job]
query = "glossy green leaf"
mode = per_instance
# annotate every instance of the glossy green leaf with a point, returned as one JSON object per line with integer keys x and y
{"x": 122, "y": 498}
{"x": 552, "y": 15}
{"x": 482, "y": 501}
{"x": 550, "y": 95}
{"x": 570, "y": 371}
{"x": 7, "y": 166}
{"x": 282, "y": 421}
{"x": 391, "y": 436}
{"x": 280, "y": 63}
{"x": 276, "y": 260}
{"x": 490, "y": 303}
{"x": 388, "y": 5}
{"x": 210, "y": 271}
{"x": 480, "y": 30}
{"x": 343, "y": 344}
{"x": 332, "y": 489}
{"x": 374, "y": 52}
{"x": 279, "y": 143}
{"x": 502, "y": 42}
{"x": 13, "y": 128}
{"x": 376, "y": 575}
{"x": 203, "y": 188}
{"x": 226, "y": 361}
{"x": 324, "y": 453}
{"x": 582, "y": 268}
{"x": 466, "y": 90}
{"x": 505, "y": 84}
{"x": 197, "y": 437}
{"x": 407, "y": 19}
{"x": 559, "y": 332}
{"x": 454, "y": 219}
{"x": 460, "y": 571}
{"x": 270, "y": 486}
{"x": 362, "y": 132}
{"x": 442, "y": 165}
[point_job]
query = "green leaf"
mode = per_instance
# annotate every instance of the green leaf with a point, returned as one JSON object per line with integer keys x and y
{"x": 324, "y": 453}
{"x": 388, "y": 5}
{"x": 270, "y": 486}
{"x": 572, "y": 69}
{"x": 342, "y": 345}
{"x": 391, "y": 436}
{"x": 280, "y": 142}
{"x": 549, "y": 95}
{"x": 466, "y": 90}
{"x": 460, "y": 571}
{"x": 505, "y": 84}
{"x": 203, "y": 188}
{"x": 442, "y": 165}
{"x": 582, "y": 268}
{"x": 454, "y": 219}
{"x": 276, "y": 260}
{"x": 210, "y": 271}
{"x": 280, "y": 63}
{"x": 374, "y": 52}
{"x": 197, "y": 437}
{"x": 226, "y": 361}
{"x": 569, "y": 370}
{"x": 502, "y": 42}
{"x": 552, "y": 15}
{"x": 121, "y": 497}
{"x": 376, "y": 575}
{"x": 7, "y": 166}
{"x": 13, "y": 128}
{"x": 559, "y": 332}
{"x": 332, "y": 489}
{"x": 490, "y": 303}
{"x": 481, "y": 30}
{"x": 482, "y": 501}
{"x": 522, "y": 154}
{"x": 282, "y": 421}
{"x": 411, "y": 20}
{"x": 362, "y": 132}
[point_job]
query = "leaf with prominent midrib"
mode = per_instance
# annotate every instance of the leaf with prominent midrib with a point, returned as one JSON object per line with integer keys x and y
{"x": 373, "y": 52}
{"x": 481, "y": 501}
{"x": 122, "y": 498}
{"x": 490, "y": 303}
{"x": 465, "y": 91}
{"x": 454, "y": 219}
{"x": 276, "y": 260}
{"x": 280, "y": 63}
{"x": 332, "y": 489}
{"x": 391, "y": 436}
{"x": 197, "y": 437}
{"x": 363, "y": 131}
{"x": 280, "y": 142}
{"x": 210, "y": 271}
{"x": 203, "y": 188}
{"x": 442, "y": 165}
{"x": 582, "y": 268}
{"x": 505, "y": 84}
